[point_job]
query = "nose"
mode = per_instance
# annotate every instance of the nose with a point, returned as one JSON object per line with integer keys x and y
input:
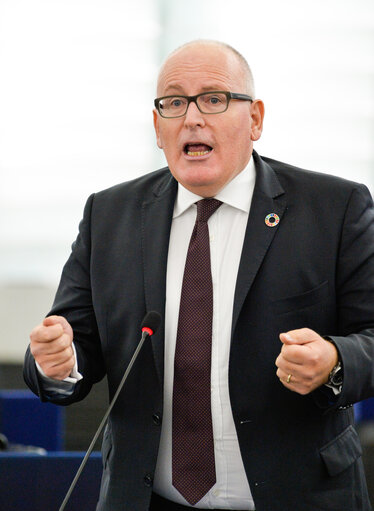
{"x": 193, "y": 117}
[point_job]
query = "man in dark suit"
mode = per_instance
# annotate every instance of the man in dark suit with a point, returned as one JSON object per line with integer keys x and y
{"x": 292, "y": 270}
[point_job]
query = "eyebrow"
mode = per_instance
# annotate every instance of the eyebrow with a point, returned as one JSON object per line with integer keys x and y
{"x": 173, "y": 87}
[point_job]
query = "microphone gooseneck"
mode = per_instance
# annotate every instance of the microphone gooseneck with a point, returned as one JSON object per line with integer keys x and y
{"x": 149, "y": 326}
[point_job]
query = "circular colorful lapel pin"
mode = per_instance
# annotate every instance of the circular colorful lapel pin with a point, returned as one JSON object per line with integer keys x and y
{"x": 272, "y": 219}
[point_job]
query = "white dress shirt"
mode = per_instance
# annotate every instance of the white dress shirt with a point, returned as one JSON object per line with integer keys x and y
{"x": 226, "y": 230}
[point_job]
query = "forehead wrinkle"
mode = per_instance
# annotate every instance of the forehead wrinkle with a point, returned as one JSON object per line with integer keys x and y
{"x": 217, "y": 79}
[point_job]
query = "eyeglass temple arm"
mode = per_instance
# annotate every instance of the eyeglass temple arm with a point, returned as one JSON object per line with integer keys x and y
{"x": 235, "y": 95}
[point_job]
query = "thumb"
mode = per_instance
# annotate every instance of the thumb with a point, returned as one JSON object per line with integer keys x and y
{"x": 286, "y": 338}
{"x": 58, "y": 320}
{"x": 300, "y": 336}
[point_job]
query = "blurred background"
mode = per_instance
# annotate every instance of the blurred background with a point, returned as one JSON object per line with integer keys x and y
{"x": 77, "y": 83}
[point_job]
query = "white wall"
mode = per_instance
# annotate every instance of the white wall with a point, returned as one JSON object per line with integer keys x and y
{"x": 76, "y": 94}
{"x": 76, "y": 91}
{"x": 314, "y": 69}
{"x": 77, "y": 82}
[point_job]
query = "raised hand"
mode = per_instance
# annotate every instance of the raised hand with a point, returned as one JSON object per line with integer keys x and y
{"x": 51, "y": 346}
{"x": 305, "y": 360}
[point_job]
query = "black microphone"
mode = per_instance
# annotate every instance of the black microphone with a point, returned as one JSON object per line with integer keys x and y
{"x": 151, "y": 322}
{"x": 149, "y": 326}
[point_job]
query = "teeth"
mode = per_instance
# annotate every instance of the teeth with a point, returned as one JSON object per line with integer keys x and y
{"x": 197, "y": 153}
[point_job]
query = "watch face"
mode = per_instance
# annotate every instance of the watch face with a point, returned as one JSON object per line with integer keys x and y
{"x": 337, "y": 379}
{"x": 336, "y": 376}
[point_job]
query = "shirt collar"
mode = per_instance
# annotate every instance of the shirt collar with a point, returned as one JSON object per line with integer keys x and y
{"x": 235, "y": 193}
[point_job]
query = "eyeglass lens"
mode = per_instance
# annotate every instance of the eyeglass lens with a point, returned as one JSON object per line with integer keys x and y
{"x": 209, "y": 103}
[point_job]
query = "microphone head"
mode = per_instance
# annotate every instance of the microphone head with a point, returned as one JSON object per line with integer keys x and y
{"x": 151, "y": 322}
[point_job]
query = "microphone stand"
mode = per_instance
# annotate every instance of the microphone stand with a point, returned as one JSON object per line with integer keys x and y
{"x": 145, "y": 334}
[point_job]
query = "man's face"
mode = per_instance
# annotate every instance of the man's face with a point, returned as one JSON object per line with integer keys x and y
{"x": 225, "y": 139}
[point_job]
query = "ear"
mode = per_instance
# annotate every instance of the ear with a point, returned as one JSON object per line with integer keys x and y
{"x": 257, "y": 114}
{"x": 157, "y": 127}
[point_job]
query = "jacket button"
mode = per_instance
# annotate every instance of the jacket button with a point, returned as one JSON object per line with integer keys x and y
{"x": 156, "y": 419}
{"x": 148, "y": 480}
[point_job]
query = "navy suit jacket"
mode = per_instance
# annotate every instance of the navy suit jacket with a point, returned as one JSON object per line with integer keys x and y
{"x": 314, "y": 269}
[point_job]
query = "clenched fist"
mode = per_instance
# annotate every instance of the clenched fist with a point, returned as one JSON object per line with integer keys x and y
{"x": 305, "y": 360}
{"x": 51, "y": 347}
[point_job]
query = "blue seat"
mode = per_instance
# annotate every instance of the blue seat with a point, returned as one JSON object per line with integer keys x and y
{"x": 39, "y": 483}
{"x": 25, "y": 420}
{"x": 364, "y": 410}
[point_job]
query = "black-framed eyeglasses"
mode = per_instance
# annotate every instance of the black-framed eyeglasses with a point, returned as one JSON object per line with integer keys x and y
{"x": 215, "y": 102}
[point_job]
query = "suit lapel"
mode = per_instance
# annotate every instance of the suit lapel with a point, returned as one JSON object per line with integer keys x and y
{"x": 268, "y": 197}
{"x": 156, "y": 222}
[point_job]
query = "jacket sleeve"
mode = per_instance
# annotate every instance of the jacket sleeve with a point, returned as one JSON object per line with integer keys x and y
{"x": 74, "y": 301}
{"x": 355, "y": 299}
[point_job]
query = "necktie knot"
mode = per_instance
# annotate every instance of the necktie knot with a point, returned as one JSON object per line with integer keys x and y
{"x": 206, "y": 208}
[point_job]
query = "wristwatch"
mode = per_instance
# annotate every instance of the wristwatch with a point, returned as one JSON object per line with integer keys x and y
{"x": 336, "y": 377}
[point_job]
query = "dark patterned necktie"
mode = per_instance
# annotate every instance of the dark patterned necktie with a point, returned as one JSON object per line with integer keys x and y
{"x": 193, "y": 463}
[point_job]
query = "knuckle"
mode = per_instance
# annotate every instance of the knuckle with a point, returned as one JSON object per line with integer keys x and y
{"x": 284, "y": 351}
{"x": 314, "y": 359}
{"x": 293, "y": 350}
{"x": 66, "y": 340}
{"x": 303, "y": 391}
{"x": 34, "y": 349}
{"x": 309, "y": 385}
{"x": 49, "y": 372}
{"x": 308, "y": 375}
{"x": 36, "y": 334}
{"x": 306, "y": 332}
{"x": 307, "y": 382}
{"x": 68, "y": 355}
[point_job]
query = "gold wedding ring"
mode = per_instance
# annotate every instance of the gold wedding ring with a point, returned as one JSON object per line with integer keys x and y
{"x": 289, "y": 378}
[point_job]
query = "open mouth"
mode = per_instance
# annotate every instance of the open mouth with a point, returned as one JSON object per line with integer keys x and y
{"x": 197, "y": 149}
